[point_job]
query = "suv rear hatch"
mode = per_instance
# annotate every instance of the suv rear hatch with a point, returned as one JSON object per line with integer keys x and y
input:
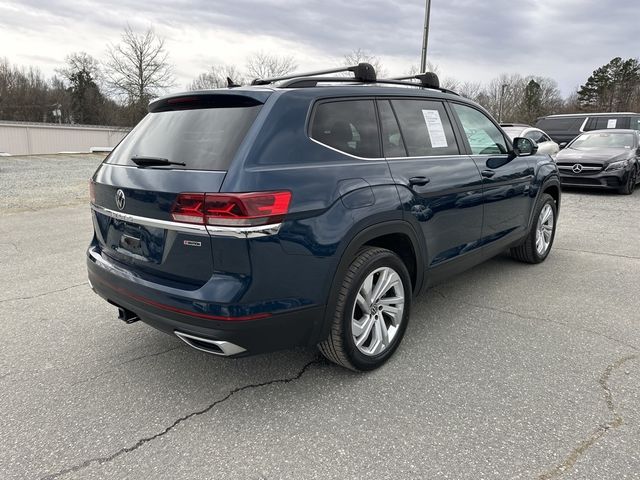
{"x": 184, "y": 145}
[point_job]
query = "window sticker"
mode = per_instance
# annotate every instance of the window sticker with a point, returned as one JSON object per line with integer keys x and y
{"x": 435, "y": 128}
{"x": 612, "y": 123}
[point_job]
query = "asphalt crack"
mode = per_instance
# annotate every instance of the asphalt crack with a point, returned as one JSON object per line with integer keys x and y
{"x": 547, "y": 320}
{"x": 11, "y": 244}
{"x": 15, "y": 299}
{"x": 131, "y": 360}
{"x": 208, "y": 408}
{"x": 615, "y": 422}
{"x": 616, "y": 255}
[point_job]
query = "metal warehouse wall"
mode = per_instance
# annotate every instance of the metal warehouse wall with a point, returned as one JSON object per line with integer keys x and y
{"x": 19, "y": 138}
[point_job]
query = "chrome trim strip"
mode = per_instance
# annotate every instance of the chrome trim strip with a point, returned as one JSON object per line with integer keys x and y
{"x": 344, "y": 153}
{"x": 388, "y": 158}
{"x": 584, "y": 124}
{"x": 244, "y": 232}
{"x": 152, "y": 222}
{"x": 218, "y": 231}
{"x": 227, "y": 348}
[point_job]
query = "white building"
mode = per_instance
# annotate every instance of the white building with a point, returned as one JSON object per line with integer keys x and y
{"x": 24, "y": 138}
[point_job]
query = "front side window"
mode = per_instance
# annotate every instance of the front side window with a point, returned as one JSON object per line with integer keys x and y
{"x": 426, "y": 128}
{"x": 483, "y": 136}
{"x": 349, "y": 126}
{"x": 535, "y": 135}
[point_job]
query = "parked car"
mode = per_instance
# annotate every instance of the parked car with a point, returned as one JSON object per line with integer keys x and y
{"x": 564, "y": 128}
{"x": 602, "y": 159}
{"x": 545, "y": 144}
{"x": 245, "y": 220}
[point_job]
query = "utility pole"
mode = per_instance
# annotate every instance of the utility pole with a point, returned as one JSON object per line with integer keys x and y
{"x": 504, "y": 87}
{"x": 425, "y": 38}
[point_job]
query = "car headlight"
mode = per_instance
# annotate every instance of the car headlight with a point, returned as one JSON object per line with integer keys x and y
{"x": 617, "y": 165}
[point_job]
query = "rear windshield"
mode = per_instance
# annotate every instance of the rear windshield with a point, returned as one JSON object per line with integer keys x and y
{"x": 603, "y": 140}
{"x": 202, "y": 139}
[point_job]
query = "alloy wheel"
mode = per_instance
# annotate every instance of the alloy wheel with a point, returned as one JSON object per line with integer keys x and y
{"x": 544, "y": 231}
{"x": 377, "y": 311}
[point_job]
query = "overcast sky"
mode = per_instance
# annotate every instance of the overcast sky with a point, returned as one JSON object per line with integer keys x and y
{"x": 471, "y": 40}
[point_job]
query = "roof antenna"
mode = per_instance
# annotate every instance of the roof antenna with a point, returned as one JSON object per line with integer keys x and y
{"x": 231, "y": 83}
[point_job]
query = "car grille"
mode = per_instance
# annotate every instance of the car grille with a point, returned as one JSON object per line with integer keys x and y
{"x": 576, "y": 180}
{"x": 587, "y": 168}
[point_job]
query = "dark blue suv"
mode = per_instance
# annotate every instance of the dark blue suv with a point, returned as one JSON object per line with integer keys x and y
{"x": 309, "y": 211}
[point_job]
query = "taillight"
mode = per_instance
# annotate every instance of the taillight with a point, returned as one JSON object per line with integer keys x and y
{"x": 92, "y": 191}
{"x": 233, "y": 210}
{"x": 189, "y": 208}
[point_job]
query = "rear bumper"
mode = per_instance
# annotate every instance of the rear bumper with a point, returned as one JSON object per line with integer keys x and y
{"x": 257, "y": 328}
{"x": 615, "y": 179}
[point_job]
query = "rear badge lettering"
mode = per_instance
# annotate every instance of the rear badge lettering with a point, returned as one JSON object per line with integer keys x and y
{"x": 191, "y": 243}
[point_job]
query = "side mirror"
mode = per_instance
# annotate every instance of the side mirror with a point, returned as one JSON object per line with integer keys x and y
{"x": 562, "y": 145}
{"x": 524, "y": 147}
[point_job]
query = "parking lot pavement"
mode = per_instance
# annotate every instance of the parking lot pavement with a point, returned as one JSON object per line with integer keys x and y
{"x": 507, "y": 371}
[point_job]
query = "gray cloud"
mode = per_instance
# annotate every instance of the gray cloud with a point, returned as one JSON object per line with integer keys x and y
{"x": 563, "y": 39}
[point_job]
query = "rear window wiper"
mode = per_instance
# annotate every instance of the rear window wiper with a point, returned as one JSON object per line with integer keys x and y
{"x": 154, "y": 162}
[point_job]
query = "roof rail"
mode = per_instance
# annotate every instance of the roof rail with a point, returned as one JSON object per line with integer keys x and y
{"x": 363, "y": 72}
{"x": 427, "y": 79}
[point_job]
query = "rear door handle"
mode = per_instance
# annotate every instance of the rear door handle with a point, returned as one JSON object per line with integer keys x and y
{"x": 419, "y": 181}
{"x": 488, "y": 173}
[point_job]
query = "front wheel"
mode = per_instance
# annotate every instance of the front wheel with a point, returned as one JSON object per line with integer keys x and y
{"x": 630, "y": 184}
{"x": 371, "y": 312}
{"x": 537, "y": 245}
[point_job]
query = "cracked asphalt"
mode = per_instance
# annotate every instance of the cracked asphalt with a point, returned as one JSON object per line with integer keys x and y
{"x": 507, "y": 371}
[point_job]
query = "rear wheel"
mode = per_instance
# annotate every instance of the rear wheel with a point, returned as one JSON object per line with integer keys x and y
{"x": 537, "y": 245}
{"x": 630, "y": 184}
{"x": 371, "y": 312}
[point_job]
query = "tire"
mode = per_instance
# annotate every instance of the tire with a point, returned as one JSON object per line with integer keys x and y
{"x": 528, "y": 251}
{"x": 630, "y": 184}
{"x": 351, "y": 315}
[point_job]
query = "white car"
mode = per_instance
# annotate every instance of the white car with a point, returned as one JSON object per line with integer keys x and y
{"x": 545, "y": 144}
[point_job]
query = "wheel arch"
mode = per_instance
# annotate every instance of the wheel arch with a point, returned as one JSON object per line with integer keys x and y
{"x": 397, "y": 236}
{"x": 550, "y": 185}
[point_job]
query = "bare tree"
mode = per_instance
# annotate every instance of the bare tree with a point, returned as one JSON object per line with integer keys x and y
{"x": 216, "y": 77}
{"x": 80, "y": 62}
{"x": 470, "y": 90}
{"x": 138, "y": 69}
{"x": 361, "y": 56}
{"x": 264, "y": 65}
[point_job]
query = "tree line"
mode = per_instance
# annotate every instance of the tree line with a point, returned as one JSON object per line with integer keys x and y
{"x": 136, "y": 70}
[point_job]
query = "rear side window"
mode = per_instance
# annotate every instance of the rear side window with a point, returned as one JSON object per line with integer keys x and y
{"x": 426, "y": 128}
{"x": 349, "y": 126}
{"x": 483, "y": 136}
{"x": 603, "y": 123}
{"x": 203, "y": 139}
{"x": 560, "y": 124}
{"x": 392, "y": 143}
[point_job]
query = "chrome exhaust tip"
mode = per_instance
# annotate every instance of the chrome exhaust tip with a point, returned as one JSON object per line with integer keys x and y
{"x": 216, "y": 347}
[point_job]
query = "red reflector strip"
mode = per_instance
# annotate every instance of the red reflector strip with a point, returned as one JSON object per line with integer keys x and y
{"x": 190, "y": 313}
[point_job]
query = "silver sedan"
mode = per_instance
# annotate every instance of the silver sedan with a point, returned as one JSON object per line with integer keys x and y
{"x": 545, "y": 144}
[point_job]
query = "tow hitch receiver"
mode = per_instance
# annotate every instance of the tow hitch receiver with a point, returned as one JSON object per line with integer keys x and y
{"x": 127, "y": 316}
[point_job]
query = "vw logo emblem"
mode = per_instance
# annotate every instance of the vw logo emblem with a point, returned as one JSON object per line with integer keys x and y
{"x": 577, "y": 168}
{"x": 120, "y": 200}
